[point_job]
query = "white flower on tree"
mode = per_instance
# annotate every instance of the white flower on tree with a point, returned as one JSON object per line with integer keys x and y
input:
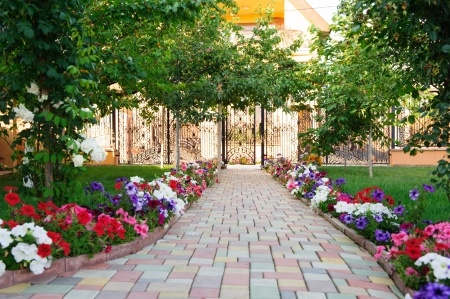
{"x": 98, "y": 154}
{"x": 33, "y": 89}
{"x": 78, "y": 160}
{"x": 88, "y": 145}
{"x": 27, "y": 182}
{"x": 23, "y": 113}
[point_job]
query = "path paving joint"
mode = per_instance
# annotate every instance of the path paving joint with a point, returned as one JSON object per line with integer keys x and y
{"x": 246, "y": 238}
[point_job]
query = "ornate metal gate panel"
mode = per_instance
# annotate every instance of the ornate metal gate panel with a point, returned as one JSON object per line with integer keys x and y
{"x": 240, "y": 136}
{"x": 281, "y": 134}
{"x": 141, "y": 142}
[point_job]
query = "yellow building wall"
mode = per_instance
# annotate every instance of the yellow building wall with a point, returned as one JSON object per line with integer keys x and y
{"x": 428, "y": 157}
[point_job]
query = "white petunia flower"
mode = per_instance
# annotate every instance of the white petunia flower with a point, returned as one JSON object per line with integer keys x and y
{"x": 37, "y": 267}
{"x": 426, "y": 259}
{"x": 2, "y": 268}
{"x": 40, "y": 234}
{"x": 85, "y": 109}
{"x": 24, "y": 252}
{"x": 19, "y": 231}
{"x": 136, "y": 179}
{"x": 5, "y": 238}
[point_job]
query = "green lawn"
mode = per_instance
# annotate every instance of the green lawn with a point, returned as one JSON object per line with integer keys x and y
{"x": 395, "y": 181}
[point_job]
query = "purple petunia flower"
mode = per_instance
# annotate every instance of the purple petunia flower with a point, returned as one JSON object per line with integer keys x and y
{"x": 382, "y": 236}
{"x": 97, "y": 186}
{"x": 309, "y": 195}
{"x": 414, "y": 194}
{"x": 433, "y": 290}
{"x": 348, "y": 218}
{"x": 427, "y": 222}
{"x": 340, "y": 181}
{"x": 378, "y": 194}
{"x": 428, "y": 188}
{"x": 398, "y": 210}
{"x": 361, "y": 222}
{"x": 378, "y": 218}
{"x": 312, "y": 175}
{"x": 131, "y": 188}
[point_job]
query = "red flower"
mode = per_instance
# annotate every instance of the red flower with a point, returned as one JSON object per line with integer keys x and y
{"x": 161, "y": 219}
{"x": 27, "y": 210}
{"x": 84, "y": 217}
{"x": 65, "y": 247}
{"x": 44, "y": 250}
{"x": 11, "y": 223}
{"x": 173, "y": 184}
{"x": 118, "y": 186}
{"x": 10, "y": 189}
{"x": 56, "y": 237}
{"x": 98, "y": 229}
{"x": 413, "y": 252}
{"x": 108, "y": 249}
{"x": 48, "y": 207}
{"x": 154, "y": 203}
{"x": 12, "y": 198}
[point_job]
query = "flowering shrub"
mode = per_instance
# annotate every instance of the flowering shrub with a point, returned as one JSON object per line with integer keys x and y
{"x": 421, "y": 257}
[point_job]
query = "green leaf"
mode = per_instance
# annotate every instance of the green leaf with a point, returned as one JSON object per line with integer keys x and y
{"x": 57, "y": 120}
{"x": 411, "y": 119}
{"x": 53, "y": 158}
{"x": 49, "y": 116}
{"x": 46, "y": 157}
{"x": 39, "y": 156}
{"x": 446, "y": 48}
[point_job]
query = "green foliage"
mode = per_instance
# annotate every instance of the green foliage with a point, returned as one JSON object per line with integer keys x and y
{"x": 417, "y": 35}
{"x": 353, "y": 86}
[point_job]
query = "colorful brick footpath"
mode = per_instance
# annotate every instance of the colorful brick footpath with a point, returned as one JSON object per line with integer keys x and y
{"x": 247, "y": 237}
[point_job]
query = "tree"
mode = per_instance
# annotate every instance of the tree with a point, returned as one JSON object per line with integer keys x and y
{"x": 417, "y": 34}
{"x": 355, "y": 90}
{"x": 59, "y": 58}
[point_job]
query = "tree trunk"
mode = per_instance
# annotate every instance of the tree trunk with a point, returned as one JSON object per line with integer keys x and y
{"x": 163, "y": 122}
{"x": 48, "y": 167}
{"x": 219, "y": 142}
{"x": 177, "y": 142}
{"x": 370, "y": 153}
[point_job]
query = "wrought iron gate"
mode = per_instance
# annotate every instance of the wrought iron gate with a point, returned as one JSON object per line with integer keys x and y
{"x": 253, "y": 134}
{"x": 143, "y": 142}
{"x": 248, "y": 137}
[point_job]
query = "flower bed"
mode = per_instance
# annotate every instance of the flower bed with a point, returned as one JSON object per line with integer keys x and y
{"x": 417, "y": 258}
{"x": 57, "y": 239}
